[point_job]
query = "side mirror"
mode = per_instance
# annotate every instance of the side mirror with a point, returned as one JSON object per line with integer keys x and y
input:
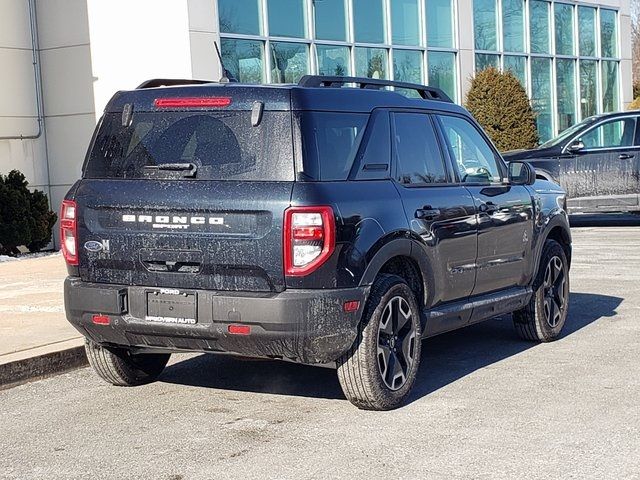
{"x": 575, "y": 146}
{"x": 521, "y": 173}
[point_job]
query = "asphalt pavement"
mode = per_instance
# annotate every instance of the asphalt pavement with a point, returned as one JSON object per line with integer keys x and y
{"x": 486, "y": 405}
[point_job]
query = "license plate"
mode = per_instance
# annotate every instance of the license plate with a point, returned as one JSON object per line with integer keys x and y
{"x": 172, "y": 306}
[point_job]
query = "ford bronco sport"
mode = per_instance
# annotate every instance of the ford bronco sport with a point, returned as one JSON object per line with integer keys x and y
{"x": 335, "y": 220}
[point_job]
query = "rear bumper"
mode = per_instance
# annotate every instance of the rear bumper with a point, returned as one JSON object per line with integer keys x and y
{"x": 308, "y": 326}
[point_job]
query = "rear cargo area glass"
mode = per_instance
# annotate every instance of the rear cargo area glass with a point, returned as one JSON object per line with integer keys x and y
{"x": 222, "y": 145}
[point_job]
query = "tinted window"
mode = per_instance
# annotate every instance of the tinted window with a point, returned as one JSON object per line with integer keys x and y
{"x": 330, "y": 142}
{"x": 618, "y": 133}
{"x": 222, "y": 145}
{"x": 471, "y": 153}
{"x": 373, "y": 163}
{"x": 417, "y": 153}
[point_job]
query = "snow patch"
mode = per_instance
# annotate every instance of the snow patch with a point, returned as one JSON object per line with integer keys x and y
{"x": 28, "y": 256}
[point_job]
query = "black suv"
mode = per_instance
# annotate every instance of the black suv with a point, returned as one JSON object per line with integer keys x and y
{"x": 597, "y": 162}
{"x": 329, "y": 221}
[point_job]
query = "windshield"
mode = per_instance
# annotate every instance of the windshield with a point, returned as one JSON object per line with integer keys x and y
{"x": 569, "y": 132}
{"x": 218, "y": 145}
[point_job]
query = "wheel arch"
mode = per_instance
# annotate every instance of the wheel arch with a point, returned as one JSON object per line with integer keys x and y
{"x": 400, "y": 257}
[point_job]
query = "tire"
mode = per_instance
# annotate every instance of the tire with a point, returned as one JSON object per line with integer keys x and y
{"x": 545, "y": 315}
{"x": 379, "y": 370}
{"x": 120, "y": 367}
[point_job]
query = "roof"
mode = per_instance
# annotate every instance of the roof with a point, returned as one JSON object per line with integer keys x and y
{"x": 312, "y": 93}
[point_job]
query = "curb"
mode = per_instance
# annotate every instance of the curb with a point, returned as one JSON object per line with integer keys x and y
{"x": 15, "y": 373}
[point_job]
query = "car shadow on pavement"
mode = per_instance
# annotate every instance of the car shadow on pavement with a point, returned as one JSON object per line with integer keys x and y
{"x": 445, "y": 358}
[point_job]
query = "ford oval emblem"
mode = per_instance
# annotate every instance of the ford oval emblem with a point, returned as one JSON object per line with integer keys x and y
{"x": 93, "y": 246}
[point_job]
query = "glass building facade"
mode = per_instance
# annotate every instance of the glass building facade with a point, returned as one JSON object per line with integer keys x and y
{"x": 565, "y": 54}
{"x": 277, "y": 41}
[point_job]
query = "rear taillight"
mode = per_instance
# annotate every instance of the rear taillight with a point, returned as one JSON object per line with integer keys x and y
{"x": 309, "y": 238}
{"x": 69, "y": 231}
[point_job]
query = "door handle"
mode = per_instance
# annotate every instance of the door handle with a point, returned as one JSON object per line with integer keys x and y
{"x": 427, "y": 213}
{"x": 625, "y": 156}
{"x": 488, "y": 208}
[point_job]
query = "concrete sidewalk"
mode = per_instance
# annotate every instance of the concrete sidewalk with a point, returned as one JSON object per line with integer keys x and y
{"x": 35, "y": 337}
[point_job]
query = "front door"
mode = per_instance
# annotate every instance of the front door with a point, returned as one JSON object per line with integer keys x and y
{"x": 504, "y": 212}
{"x": 440, "y": 212}
{"x": 605, "y": 171}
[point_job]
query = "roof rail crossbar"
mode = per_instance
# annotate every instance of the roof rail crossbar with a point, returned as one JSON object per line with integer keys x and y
{"x": 426, "y": 92}
{"x": 169, "y": 82}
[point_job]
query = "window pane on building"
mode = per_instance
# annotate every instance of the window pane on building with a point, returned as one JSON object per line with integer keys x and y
{"x": 286, "y": 18}
{"x": 587, "y": 31}
{"x": 240, "y": 16}
{"x": 289, "y": 61}
{"x": 485, "y": 60}
{"x": 608, "y": 33}
{"x": 485, "y": 23}
{"x": 405, "y": 22}
{"x": 442, "y": 72}
{"x": 439, "y": 23}
{"x": 371, "y": 62}
{"x": 610, "y": 86}
{"x": 566, "y": 88}
{"x": 588, "y": 88}
{"x": 407, "y": 66}
{"x": 513, "y": 25}
{"x": 518, "y": 66}
{"x": 541, "y": 99}
{"x": 564, "y": 28}
{"x": 333, "y": 60}
{"x": 244, "y": 59}
{"x": 539, "y": 28}
{"x": 330, "y": 20}
{"x": 368, "y": 21}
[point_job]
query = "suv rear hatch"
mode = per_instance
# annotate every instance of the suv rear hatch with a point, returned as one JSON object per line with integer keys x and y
{"x": 186, "y": 188}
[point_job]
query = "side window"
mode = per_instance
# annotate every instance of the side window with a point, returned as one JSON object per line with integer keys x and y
{"x": 616, "y": 133}
{"x": 330, "y": 142}
{"x": 416, "y": 149}
{"x": 375, "y": 152}
{"x": 474, "y": 158}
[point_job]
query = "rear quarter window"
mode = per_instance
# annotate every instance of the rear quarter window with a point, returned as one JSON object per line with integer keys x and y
{"x": 222, "y": 145}
{"x": 330, "y": 142}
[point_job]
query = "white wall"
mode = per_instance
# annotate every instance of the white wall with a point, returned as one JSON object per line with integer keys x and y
{"x": 18, "y": 107}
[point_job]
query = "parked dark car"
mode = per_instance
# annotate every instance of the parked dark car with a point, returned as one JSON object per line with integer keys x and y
{"x": 312, "y": 222}
{"x": 596, "y": 161}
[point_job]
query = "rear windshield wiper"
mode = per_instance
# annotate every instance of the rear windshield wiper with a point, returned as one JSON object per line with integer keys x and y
{"x": 189, "y": 169}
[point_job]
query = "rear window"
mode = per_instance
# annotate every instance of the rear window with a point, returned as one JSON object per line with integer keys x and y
{"x": 221, "y": 145}
{"x": 330, "y": 143}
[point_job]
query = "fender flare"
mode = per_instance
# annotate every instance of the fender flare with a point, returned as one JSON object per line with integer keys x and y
{"x": 405, "y": 247}
{"x": 557, "y": 220}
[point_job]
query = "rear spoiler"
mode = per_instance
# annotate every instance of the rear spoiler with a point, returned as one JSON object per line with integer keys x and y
{"x": 170, "y": 82}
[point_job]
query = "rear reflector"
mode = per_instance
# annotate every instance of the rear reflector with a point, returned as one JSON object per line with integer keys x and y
{"x": 351, "y": 306}
{"x": 239, "y": 329}
{"x": 180, "y": 102}
{"x": 101, "y": 320}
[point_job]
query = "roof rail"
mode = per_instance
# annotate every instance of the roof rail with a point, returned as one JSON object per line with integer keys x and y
{"x": 428, "y": 93}
{"x": 169, "y": 82}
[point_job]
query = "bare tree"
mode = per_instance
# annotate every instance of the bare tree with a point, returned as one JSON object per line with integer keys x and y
{"x": 635, "y": 39}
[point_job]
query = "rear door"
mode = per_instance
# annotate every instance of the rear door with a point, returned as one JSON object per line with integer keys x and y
{"x": 504, "y": 212}
{"x": 605, "y": 171}
{"x": 186, "y": 199}
{"x": 440, "y": 213}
